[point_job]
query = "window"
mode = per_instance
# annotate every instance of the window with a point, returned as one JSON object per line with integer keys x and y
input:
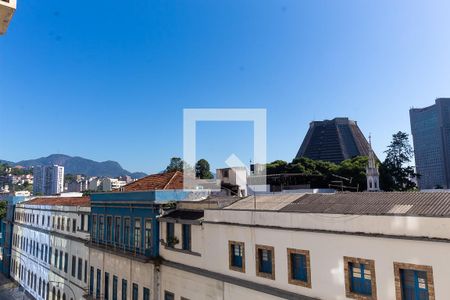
{"x": 74, "y": 225}
{"x": 42, "y": 223}
{"x": 48, "y": 221}
{"x": 80, "y": 268}
{"x": 94, "y": 227}
{"x": 99, "y": 282}
{"x": 61, "y": 260}
{"x": 124, "y": 289}
{"x": 117, "y": 230}
{"x": 53, "y": 222}
{"x": 135, "y": 292}
{"x": 59, "y": 223}
{"x": 91, "y": 281}
{"x": 74, "y": 266}
{"x": 126, "y": 231}
{"x": 170, "y": 234}
{"x": 360, "y": 278}
{"x": 236, "y": 256}
{"x": 55, "y": 263}
{"x": 101, "y": 228}
{"x": 148, "y": 234}
{"x": 62, "y": 223}
{"x": 186, "y": 232}
{"x": 265, "y": 266}
{"x": 82, "y": 223}
{"x": 414, "y": 282}
{"x": 85, "y": 271}
{"x": 106, "y": 293}
{"x": 169, "y": 295}
{"x": 137, "y": 234}
{"x": 114, "y": 290}
{"x": 68, "y": 224}
{"x": 66, "y": 261}
{"x": 299, "y": 270}
{"x": 146, "y": 293}
{"x": 50, "y": 256}
{"x": 108, "y": 229}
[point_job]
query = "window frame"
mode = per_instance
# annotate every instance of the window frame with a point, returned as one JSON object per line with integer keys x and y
{"x": 109, "y": 227}
{"x": 148, "y": 234}
{"x": 259, "y": 273}
{"x": 291, "y": 280}
{"x": 186, "y": 245}
{"x": 370, "y": 265}
{"x": 117, "y": 230}
{"x": 231, "y": 245}
{"x": 404, "y": 266}
{"x": 137, "y": 234}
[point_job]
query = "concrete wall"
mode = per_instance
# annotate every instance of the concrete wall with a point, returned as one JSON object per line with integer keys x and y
{"x": 133, "y": 271}
{"x": 196, "y": 287}
{"x": 327, "y": 251}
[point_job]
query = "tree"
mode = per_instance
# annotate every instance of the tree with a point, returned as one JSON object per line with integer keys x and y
{"x": 202, "y": 169}
{"x": 176, "y": 164}
{"x": 395, "y": 173}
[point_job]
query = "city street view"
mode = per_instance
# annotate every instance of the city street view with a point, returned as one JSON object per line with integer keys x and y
{"x": 224, "y": 150}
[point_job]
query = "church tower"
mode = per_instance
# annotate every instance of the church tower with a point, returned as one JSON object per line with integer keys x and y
{"x": 373, "y": 176}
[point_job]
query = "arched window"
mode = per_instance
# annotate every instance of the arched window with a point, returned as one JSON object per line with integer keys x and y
{"x": 370, "y": 183}
{"x": 376, "y": 184}
{"x": 59, "y": 295}
{"x": 64, "y": 296}
{"x": 53, "y": 293}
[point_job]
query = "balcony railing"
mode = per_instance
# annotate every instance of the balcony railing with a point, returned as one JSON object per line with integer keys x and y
{"x": 122, "y": 248}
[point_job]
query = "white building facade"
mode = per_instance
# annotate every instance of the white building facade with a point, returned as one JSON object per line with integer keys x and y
{"x": 49, "y": 257}
{"x": 390, "y": 246}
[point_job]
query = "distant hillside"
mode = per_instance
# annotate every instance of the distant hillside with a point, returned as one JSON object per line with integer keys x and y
{"x": 79, "y": 165}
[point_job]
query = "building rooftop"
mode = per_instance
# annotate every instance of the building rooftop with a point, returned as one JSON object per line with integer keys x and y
{"x": 63, "y": 201}
{"x": 163, "y": 181}
{"x": 265, "y": 201}
{"x": 379, "y": 203}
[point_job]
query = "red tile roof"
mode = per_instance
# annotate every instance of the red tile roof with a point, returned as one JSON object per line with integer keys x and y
{"x": 164, "y": 181}
{"x": 65, "y": 201}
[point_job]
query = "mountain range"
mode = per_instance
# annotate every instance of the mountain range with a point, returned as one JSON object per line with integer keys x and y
{"x": 79, "y": 165}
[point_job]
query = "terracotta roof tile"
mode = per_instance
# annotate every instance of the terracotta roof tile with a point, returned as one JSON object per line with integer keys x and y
{"x": 163, "y": 181}
{"x": 65, "y": 201}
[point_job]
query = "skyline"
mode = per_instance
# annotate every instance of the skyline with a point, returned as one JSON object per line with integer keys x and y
{"x": 114, "y": 86}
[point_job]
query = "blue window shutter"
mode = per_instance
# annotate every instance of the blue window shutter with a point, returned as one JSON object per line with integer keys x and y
{"x": 299, "y": 268}
{"x": 359, "y": 279}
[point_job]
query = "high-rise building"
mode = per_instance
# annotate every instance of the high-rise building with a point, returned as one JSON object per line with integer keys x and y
{"x": 7, "y": 9}
{"x": 334, "y": 140}
{"x": 430, "y": 127}
{"x": 48, "y": 180}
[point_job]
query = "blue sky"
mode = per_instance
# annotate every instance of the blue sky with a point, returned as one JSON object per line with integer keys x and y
{"x": 109, "y": 79}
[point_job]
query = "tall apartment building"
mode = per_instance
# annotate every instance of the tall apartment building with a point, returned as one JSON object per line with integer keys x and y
{"x": 334, "y": 140}
{"x": 49, "y": 257}
{"x": 430, "y": 128}
{"x": 48, "y": 180}
{"x": 7, "y": 9}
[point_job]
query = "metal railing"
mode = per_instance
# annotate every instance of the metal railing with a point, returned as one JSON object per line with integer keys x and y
{"x": 120, "y": 247}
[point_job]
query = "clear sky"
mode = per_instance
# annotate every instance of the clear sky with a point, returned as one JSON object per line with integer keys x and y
{"x": 110, "y": 79}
